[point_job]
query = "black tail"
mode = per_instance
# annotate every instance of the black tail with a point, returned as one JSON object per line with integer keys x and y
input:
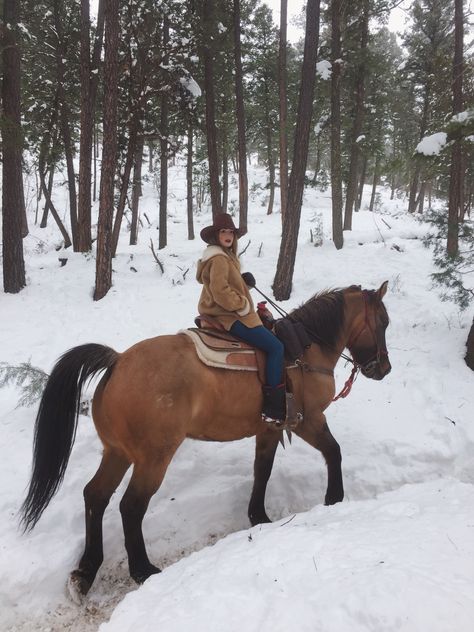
{"x": 56, "y": 424}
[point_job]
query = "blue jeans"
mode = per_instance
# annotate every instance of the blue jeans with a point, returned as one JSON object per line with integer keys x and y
{"x": 263, "y": 339}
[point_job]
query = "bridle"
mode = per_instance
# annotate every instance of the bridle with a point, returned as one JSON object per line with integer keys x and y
{"x": 376, "y": 337}
{"x": 365, "y": 367}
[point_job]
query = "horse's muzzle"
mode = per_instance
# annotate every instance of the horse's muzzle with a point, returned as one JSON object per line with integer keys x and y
{"x": 377, "y": 369}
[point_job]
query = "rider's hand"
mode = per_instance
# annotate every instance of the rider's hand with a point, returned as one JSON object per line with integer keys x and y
{"x": 249, "y": 279}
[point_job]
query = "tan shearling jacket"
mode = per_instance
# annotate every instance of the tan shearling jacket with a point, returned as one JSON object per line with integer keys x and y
{"x": 224, "y": 294}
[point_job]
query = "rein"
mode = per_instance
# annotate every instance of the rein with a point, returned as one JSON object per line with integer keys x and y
{"x": 370, "y": 364}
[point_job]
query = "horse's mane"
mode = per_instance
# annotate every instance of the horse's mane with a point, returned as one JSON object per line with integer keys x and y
{"x": 323, "y": 315}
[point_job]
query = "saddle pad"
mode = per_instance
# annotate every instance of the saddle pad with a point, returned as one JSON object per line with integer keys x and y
{"x": 222, "y": 351}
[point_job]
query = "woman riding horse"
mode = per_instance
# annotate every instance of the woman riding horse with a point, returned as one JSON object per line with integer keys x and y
{"x": 158, "y": 393}
{"x": 225, "y": 297}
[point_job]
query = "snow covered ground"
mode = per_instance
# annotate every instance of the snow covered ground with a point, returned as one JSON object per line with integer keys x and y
{"x": 396, "y": 555}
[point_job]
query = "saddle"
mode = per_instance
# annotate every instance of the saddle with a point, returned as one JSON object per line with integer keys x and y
{"x": 216, "y": 347}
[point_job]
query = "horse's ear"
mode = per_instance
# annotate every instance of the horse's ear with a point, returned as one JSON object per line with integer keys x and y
{"x": 382, "y": 290}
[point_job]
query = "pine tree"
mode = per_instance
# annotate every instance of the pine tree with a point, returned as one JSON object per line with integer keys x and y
{"x": 12, "y": 186}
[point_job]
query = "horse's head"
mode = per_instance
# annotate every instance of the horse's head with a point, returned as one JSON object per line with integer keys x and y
{"x": 367, "y": 333}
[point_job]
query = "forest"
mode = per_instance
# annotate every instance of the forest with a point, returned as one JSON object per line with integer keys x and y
{"x": 87, "y": 98}
{"x": 94, "y": 100}
{"x": 345, "y": 156}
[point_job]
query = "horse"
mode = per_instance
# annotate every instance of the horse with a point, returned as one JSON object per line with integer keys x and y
{"x": 158, "y": 393}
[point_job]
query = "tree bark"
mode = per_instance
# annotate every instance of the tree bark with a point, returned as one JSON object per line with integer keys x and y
{"x": 164, "y": 131}
{"x": 351, "y": 189}
{"x": 417, "y": 169}
{"x": 469, "y": 357}
{"x": 456, "y": 173}
{"x": 360, "y": 192}
{"x": 64, "y": 118}
{"x": 336, "y": 173}
{"x": 374, "y": 184}
{"x": 282, "y": 83}
{"x": 136, "y": 190}
{"x": 13, "y": 262}
{"x": 269, "y": 143}
{"x": 52, "y": 209}
{"x": 286, "y": 260}
{"x": 103, "y": 279}
{"x": 89, "y": 78}
{"x": 225, "y": 172}
{"x": 207, "y": 36}
{"x": 44, "y": 218}
{"x": 189, "y": 183}
{"x": 240, "y": 115}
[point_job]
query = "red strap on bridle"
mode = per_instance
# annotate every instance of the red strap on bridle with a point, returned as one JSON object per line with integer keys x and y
{"x": 348, "y": 385}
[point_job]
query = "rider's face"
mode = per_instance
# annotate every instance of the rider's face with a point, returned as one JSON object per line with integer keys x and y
{"x": 226, "y": 237}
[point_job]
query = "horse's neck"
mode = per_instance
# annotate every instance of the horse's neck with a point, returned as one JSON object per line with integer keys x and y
{"x": 323, "y": 356}
{"x": 354, "y": 320}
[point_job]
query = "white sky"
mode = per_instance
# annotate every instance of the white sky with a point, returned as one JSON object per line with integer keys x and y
{"x": 396, "y": 21}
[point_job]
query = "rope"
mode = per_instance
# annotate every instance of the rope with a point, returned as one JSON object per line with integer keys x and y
{"x": 346, "y": 389}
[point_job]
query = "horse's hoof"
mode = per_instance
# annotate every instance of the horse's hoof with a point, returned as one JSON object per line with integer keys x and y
{"x": 332, "y": 500}
{"x": 143, "y": 574}
{"x": 78, "y": 585}
{"x": 262, "y": 519}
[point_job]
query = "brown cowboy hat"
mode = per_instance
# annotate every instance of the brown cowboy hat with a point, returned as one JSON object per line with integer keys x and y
{"x": 222, "y": 221}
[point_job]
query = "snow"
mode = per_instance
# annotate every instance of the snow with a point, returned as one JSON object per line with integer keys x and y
{"x": 398, "y": 553}
{"x": 432, "y": 145}
{"x": 324, "y": 69}
{"x": 463, "y": 117}
{"x": 191, "y": 86}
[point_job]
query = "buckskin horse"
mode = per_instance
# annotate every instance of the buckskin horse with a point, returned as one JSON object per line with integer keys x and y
{"x": 158, "y": 393}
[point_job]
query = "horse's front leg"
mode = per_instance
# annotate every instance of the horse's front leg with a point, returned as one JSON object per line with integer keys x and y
{"x": 266, "y": 445}
{"x": 315, "y": 431}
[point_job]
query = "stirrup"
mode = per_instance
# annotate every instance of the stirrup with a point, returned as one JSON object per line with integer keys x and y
{"x": 293, "y": 418}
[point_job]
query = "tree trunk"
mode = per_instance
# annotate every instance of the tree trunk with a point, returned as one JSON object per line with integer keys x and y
{"x": 150, "y": 157}
{"x": 44, "y": 218}
{"x": 88, "y": 99}
{"x": 351, "y": 189}
{"x": 269, "y": 143}
{"x": 286, "y": 260}
{"x": 13, "y": 262}
{"x": 94, "y": 160}
{"x": 456, "y": 175}
{"x": 64, "y": 121}
{"x": 374, "y": 184}
{"x": 164, "y": 131}
{"x": 103, "y": 279}
{"x": 469, "y": 357}
{"x": 225, "y": 173}
{"x": 336, "y": 172}
{"x": 282, "y": 83}
{"x": 189, "y": 183}
{"x": 136, "y": 190}
{"x": 207, "y": 37}
{"x": 360, "y": 192}
{"x": 421, "y": 197}
{"x": 417, "y": 169}
{"x": 240, "y": 114}
{"x": 52, "y": 208}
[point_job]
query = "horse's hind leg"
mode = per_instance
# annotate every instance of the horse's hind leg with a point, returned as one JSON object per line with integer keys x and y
{"x": 97, "y": 494}
{"x": 266, "y": 445}
{"x": 146, "y": 479}
{"x": 317, "y": 434}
